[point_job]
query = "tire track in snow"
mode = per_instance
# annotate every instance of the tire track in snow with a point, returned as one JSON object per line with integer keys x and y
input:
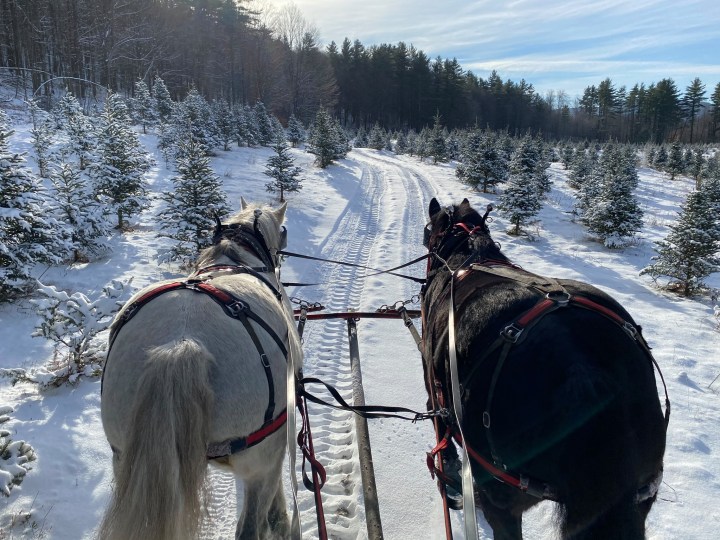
{"x": 327, "y": 357}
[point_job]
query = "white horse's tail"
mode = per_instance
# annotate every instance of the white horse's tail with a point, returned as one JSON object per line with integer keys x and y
{"x": 160, "y": 474}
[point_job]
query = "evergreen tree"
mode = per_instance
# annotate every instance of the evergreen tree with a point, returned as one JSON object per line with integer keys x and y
{"x": 193, "y": 118}
{"x": 281, "y": 168}
{"x": 661, "y": 159}
{"x": 612, "y": 211}
{"x": 377, "y": 137}
{"x": 520, "y": 200}
{"x": 675, "y": 164}
{"x": 696, "y": 166}
{"x": 41, "y": 137}
{"x": 453, "y": 146}
{"x": 144, "y": 106}
{"x": 85, "y": 217}
{"x": 323, "y": 140}
{"x": 223, "y": 121}
{"x": 296, "y": 131}
{"x": 481, "y": 162}
{"x": 265, "y": 128}
{"x": 245, "y": 128}
{"x": 79, "y": 129}
{"x": 437, "y": 146}
{"x": 164, "y": 104}
{"x": 121, "y": 163}
{"x": 401, "y": 144}
{"x": 566, "y": 155}
{"x": 29, "y": 234}
{"x": 691, "y": 103}
{"x": 688, "y": 254}
{"x": 193, "y": 205}
{"x": 361, "y": 138}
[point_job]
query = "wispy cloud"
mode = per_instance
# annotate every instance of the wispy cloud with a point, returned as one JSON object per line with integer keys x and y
{"x": 560, "y": 42}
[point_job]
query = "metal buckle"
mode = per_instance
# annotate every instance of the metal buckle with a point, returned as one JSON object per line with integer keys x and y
{"x": 560, "y": 298}
{"x": 264, "y": 360}
{"x": 236, "y": 308}
{"x": 511, "y": 333}
{"x": 630, "y": 329}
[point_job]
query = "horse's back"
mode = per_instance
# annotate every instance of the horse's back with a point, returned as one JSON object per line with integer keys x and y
{"x": 235, "y": 371}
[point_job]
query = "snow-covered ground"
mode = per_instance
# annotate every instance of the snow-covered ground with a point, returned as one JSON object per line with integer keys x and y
{"x": 370, "y": 209}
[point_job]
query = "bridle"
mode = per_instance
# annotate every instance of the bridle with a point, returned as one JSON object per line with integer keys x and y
{"x": 253, "y": 238}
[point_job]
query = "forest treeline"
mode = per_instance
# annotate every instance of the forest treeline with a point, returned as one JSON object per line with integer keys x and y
{"x": 228, "y": 50}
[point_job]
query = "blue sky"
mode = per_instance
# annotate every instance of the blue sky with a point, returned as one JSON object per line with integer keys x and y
{"x": 552, "y": 44}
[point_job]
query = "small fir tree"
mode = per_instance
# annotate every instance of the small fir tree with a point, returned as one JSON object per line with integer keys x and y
{"x": 86, "y": 218}
{"x": 29, "y": 234}
{"x": 323, "y": 141}
{"x": 79, "y": 128}
{"x": 401, "y": 144}
{"x": 296, "y": 131}
{"x": 676, "y": 163}
{"x": 377, "y": 137}
{"x": 437, "y": 145}
{"x": 613, "y": 213}
{"x": 224, "y": 125}
{"x": 41, "y": 137}
{"x": 164, "y": 103}
{"x": 521, "y": 200}
{"x": 566, "y": 155}
{"x": 661, "y": 159}
{"x": 265, "y": 128}
{"x": 361, "y": 138}
{"x": 281, "y": 168}
{"x": 688, "y": 254}
{"x": 193, "y": 205}
{"x": 144, "y": 106}
{"x": 481, "y": 162}
{"x": 118, "y": 172}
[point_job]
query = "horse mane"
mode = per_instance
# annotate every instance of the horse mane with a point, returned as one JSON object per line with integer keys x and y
{"x": 269, "y": 224}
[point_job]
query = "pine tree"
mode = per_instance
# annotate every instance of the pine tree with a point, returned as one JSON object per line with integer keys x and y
{"x": 675, "y": 164}
{"x": 144, "y": 106}
{"x": 281, "y": 168}
{"x": 266, "y": 130}
{"x": 521, "y": 201}
{"x": 193, "y": 205}
{"x": 296, "y": 131}
{"x": 566, "y": 155}
{"x": 41, "y": 137}
{"x": 193, "y": 119}
{"x": 613, "y": 213}
{"x": 481, "y": 162}
{"x": 224, "y": 125}
{"x": 323, "y": 141}
{"x": 688, "y": 254}
{"x": 661, "y": 159}
{"x": 29, "y": 235}
{"x": 696, "y": 166}
{"x": 437, "y": 146}
{"x": 377, "y": 137}
{"x": 121, "y": 163}
{"x": 361, "y": 138}
{"x": 691, "y": 103}
{"x": 164, "y": 104}
{"x": 85, "y": 217}
{"x": 401, "y": 144}
{"x": 79, "y": 129}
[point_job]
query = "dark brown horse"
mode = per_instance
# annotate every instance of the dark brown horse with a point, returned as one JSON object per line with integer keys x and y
{"x": 556, "y": 384}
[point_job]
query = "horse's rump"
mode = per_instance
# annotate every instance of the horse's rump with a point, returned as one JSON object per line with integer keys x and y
{"x": 572, "y": 380}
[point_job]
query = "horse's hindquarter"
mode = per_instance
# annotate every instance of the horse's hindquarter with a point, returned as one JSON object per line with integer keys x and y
{"x": 573, "y": 378}
{"x": 237, "y": 377}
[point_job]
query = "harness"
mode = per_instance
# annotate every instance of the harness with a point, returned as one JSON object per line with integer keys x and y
{"x": 554, "y": 296}
{"x": 237, "y": 309}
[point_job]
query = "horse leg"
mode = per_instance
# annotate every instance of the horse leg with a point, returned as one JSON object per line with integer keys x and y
{"x": 278, "y": 516}
{"x": 254, "y": 523}
{"x": 500, "y": 514}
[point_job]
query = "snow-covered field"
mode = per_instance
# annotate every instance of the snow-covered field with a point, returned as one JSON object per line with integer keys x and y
{"x": 370, "y": 209}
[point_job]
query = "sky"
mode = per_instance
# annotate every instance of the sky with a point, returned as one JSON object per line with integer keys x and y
{"x": 555, "y": 45}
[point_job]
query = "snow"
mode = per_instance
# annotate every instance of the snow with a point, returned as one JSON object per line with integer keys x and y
{"x": 369, "y": 208}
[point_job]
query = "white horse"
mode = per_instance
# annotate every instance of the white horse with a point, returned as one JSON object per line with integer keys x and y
{"x": 196, "y": 372}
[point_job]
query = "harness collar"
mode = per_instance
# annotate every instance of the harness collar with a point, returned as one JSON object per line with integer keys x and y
{"x": 253, "y": 238}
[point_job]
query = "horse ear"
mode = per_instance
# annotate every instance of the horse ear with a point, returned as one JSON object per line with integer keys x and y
{"x": 218, "y": 226}
{"x": 280, "y": 212}
{"x": 434, "y": 207}
{"x": 243, "y": 203}
{"x": 465, "y": 202}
